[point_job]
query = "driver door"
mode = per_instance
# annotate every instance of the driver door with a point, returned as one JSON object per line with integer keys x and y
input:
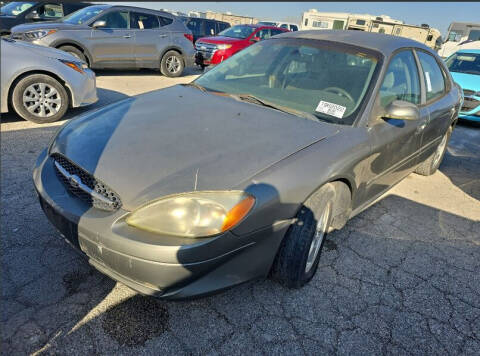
{"x": 395, "y": 143}
{"x": 112, "y": 46}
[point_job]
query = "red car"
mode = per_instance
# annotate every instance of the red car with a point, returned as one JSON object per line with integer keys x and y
{"x": 213, "y": 50}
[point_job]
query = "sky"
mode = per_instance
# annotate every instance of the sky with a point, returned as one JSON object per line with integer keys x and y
{"x": 436, "y": 14}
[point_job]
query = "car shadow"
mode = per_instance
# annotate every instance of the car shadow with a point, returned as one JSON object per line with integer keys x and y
{"x": 140, "y": 72}
{"x": 105, "y": 97}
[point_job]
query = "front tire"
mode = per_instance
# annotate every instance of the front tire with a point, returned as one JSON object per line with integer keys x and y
{"x": 431, "y": 164}
{"x": 40, "y": 98}
{"x": 172, "y": 64}
{"x": 297, "y": 260}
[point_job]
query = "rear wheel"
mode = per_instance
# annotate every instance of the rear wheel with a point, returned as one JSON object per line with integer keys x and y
{"x": 74, "y": 51}
{"x": 431, "y": 164}
{"x": 172, "y": 64}
{"x": 299, "y": 254}
{"x": 40, "y": 98}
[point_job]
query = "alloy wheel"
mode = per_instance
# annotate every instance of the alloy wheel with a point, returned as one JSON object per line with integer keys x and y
{"x": 42, "y": 100}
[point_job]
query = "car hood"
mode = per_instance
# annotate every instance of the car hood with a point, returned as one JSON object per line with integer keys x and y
{"x": 467, "y": 81}
{"x": 45, "y": 25}
{"x": 6, "y": 22}
{"x": 45, "y": 51}
{"x": 180, "y": 139}
{"x": 220, "y": 39}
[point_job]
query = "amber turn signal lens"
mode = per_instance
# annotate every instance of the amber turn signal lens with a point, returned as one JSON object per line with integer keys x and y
{"x": 237, "y": 213}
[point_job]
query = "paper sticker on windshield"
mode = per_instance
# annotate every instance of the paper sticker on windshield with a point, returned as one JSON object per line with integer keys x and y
{"x": 331, "y": 109}
{"x": 429, "y": 83}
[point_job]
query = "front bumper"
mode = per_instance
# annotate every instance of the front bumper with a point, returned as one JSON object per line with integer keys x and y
{"x": 216, "y": 57}
{"x": 164, "y": 266}
{"x": 470, "y": 109}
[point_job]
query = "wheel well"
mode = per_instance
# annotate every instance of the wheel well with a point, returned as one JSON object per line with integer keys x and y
{"x": 175, "y": 49}
{"x": 26, "y": 74}
{"x": 80, "y": 48}
{"x": 343, "y": 202}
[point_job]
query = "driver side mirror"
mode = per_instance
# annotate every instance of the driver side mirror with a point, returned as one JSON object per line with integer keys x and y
{"x": 32, "y": 16}
{"x": 255, "y": 39}
{"x": 401, "y": 110}
{"x": 99, "y": 23}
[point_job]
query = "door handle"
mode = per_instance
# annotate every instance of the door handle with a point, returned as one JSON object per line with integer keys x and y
{"x": 421, "y": 127}
{"x": 127, "y": 36}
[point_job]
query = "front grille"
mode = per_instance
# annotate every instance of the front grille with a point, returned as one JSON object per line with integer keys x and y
{"x": 206, "y": 49}
{"x": 102, "y": 197}
{"x": 468, "y": 92}
{"x": 469, "y": 104}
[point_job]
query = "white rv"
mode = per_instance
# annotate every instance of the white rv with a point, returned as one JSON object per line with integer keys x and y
{"x": 461, "y": 35}
{"x": 315, "y": 20}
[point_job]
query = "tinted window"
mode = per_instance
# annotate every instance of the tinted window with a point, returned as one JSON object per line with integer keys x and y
{"x": 294, "y": 27}
{"x": 239, "y": 31}
{"x": 401, "y": 81}
{"x": 115, "y": 19}
{"x": 474, "y": 35}
{"x": 143, "y": 21}
{"x": 434, "y": 81}
{"x": 223, "y": 26}
{"x": 274, "y": 32}
{"x": 164, "y": 21}
{"x": 50, "y": 10}
{"x": 210, "y": 28}
{"x": 195, "y": 25}
{"x": 263, "y": 34}
{"x": 284, "y": 25}
{"x": 15, "y": 8}
{"x": 84, "y": 15}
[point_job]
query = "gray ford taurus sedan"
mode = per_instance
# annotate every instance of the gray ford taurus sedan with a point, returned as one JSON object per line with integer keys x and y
{"x": 239, "y": 175}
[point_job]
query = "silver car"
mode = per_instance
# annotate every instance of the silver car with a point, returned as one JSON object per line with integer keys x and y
{"x": 108, "y": 36}
{"x": 40, "y": 83}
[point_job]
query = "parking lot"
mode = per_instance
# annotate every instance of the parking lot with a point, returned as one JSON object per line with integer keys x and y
{"x": 403, "y": 277}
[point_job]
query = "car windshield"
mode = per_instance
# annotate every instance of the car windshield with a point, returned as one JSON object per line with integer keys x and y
{"x": 239, "y": 31}
{"x": 464, "y": 63}
{"x": 317, "y": 78}
{"x": 83, "y": 15}
{"x": 15, "y": 8}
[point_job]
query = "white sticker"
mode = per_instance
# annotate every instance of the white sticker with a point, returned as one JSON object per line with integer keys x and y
{"x": 331, "y": 109}
{"x": 429, "y": 83}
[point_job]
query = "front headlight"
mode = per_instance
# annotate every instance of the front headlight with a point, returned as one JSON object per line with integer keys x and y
{"x": 77, "y": 66}
{"x": 224, "y": 46}
{"x": 194, "y": 214}
{"x": 35, "y": 35}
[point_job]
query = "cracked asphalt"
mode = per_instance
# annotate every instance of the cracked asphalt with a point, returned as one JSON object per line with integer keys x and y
{"x": 403, "y": 277}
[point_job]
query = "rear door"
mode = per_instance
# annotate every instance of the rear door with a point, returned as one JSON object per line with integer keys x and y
{"x": 396, "y": 143}
{"x": 150, "y": 38}
{"x": 113, "y": 45}
{"x": 439, "y": 102}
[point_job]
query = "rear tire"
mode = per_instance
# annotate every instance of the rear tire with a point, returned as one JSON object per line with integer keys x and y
{"x": 74, "y": 51}
{"x": 40, "y": 98}
{"x": 297, "y": 259}
{"x": 172, "y": 64}
{"x": 431, "y": 164}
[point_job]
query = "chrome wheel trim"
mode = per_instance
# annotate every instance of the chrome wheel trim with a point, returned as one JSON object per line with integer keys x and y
{"x": 439, "y": 151}
{"x": 320, "y": 232}
{"x": 41, "y": 100}
{"x": 173, "y": 64}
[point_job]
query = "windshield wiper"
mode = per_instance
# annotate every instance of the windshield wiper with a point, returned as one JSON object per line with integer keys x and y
{"x": 253, "y": 99}
{"x": 195, "y": 85}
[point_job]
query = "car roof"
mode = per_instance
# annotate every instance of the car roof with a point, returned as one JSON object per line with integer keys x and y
{"x": 136, "y": 8}
{"x": 385, "y": 44}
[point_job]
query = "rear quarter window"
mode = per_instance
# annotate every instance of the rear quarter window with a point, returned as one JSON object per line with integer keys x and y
{"x": 434, "y": 77}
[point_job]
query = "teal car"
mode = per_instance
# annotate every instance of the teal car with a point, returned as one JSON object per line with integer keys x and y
{"x": 464, "y": 66}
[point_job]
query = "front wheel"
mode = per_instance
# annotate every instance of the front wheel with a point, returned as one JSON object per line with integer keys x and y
{"x": 74, "y": 51}
{"x": 172, "y": 64}
{"x": 299, "y": 254}
{"x": 431, "y": 164}
{"x": 40, "y": 98}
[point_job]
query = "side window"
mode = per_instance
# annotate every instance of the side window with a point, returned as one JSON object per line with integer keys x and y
{"x": 434, "y": 80}
{"x": 210, "y": 28}
{"x": 263, "y": 34}
{"x": 195, "y": 26}
{"x": 284, "y": 25}
{"x": 143, "y": 21}
{"x": 164, "y": 21}
{"x": 276, "y": 32}
{"x": 294, "y": 27}
{"x": 115, "y": 19}
{"x": 50, "y": 11}
{"x": 401, "y": 81}
{"x": 223, "y": 26}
